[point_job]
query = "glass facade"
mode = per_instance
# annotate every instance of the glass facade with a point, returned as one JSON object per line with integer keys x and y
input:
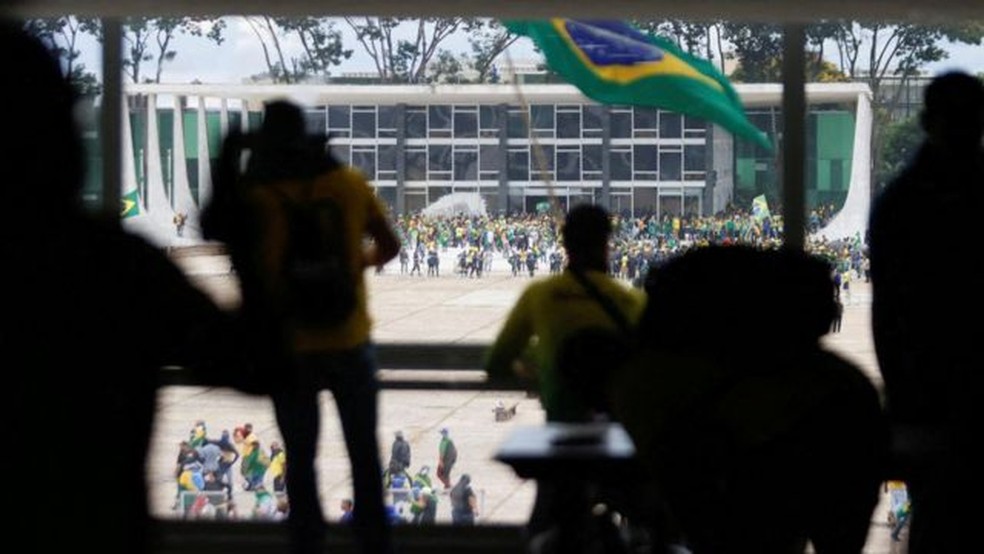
{"x": 636, "y": 160}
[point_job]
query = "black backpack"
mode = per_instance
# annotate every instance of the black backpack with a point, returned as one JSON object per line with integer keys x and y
{"x": 320, "y": 286}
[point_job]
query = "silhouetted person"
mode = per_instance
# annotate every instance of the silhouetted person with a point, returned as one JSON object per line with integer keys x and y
{"x": 926, "y": 320}
{"x": 248, "y": 214}
{"x": 90, "y": 314}
{"x": 757, "y": 438}
{"x": 553, "y": 309}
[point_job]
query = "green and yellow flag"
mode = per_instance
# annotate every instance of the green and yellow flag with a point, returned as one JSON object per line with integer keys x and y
{"x": 760, "y": 208}
{"x": 613, "y": 62}
{"x": 130, "y": 204}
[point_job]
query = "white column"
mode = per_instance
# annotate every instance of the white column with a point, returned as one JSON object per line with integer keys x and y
{"x": 182, "y": 199}
{"x": 204, "y": 162}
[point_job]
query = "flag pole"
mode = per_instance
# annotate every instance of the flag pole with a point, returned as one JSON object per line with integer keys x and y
{"x": 539, "y": 156}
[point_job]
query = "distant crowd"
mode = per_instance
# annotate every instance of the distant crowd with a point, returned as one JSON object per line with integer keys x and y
{"x": 529, "y": 243}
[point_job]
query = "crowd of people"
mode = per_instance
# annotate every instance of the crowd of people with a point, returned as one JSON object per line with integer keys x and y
{"x": 526, "y": 244}
{"x": 207, "y": 487}
{"x": 727, "y": 426}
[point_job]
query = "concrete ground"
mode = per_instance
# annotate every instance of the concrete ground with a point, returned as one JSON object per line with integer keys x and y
{"x": 422, "y": 309}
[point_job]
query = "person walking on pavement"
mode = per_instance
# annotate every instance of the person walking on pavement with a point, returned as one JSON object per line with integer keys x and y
{"x": 399, "y": 454}
{"x": 447, "y": 455}
{"x": 464, "y": 503}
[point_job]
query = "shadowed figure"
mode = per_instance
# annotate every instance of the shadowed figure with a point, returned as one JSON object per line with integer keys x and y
{"x": 757, "y": 438}
{"x": 925, "y": 316}
{"x": 90, "y": 314}
{"x": 581, "y": 307}
{"x": 297, "y": 359}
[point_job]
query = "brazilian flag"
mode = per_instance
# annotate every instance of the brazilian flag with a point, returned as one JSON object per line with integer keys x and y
{"x": 614, "y": 63}
{"x": 760, "y": 208}
{"x": 130, "y": 204}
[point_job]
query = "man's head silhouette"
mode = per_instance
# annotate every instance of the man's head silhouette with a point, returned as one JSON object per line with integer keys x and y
{"x": 586, "y": 232}
{"x": 953, "y": 111}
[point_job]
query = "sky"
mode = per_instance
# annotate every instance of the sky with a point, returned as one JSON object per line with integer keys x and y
{"x": 241, "y": 56}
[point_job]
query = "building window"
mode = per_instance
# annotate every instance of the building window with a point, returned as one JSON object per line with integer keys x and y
{"x": 569, "y": 122}
{"x": 569, "y": 163}
{"x": 315, "y": 121}
{"x": 386, "y": 120}
{"x": 518, "y": 162}
{"x": 386, "y": 162}
{"x": 621, "y": 121}
{"x": 416, "y": 163}
{"x": 340, "y": 121}
{"x": 439, "y": 121}
{"x": 670, "y": 165}
{"x": 693, "y": 157}
{"x": 542, "y": 167}
{"x": 542, "y": 116}
{"x": 621, "y": 163}
{"x": 645, "y": 162}
{"x": 466, "y": 163}
{"x": 517, "y": 123}
{"x": 488, "y": 119}
{"x": 670, "y": 125}
{"x": 364, "y": 157}
{"x": 591, "y": 162}
{"x": 465, "y": 122}
{"x": 694, "y": 127}
{"x": 489, "y": 158}
{"x": 644, "y": 121}
{"x": 364, "y": 122}
{"x": 593, "y": 116}
{"x": 416, "y": 122}
{"x": 439, "y": 162}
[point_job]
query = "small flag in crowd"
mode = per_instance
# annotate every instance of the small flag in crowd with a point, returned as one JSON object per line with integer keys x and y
{"x": 130, "y": 204}
{"x": 612, "y": 62}
{"x": 760, "y": 208}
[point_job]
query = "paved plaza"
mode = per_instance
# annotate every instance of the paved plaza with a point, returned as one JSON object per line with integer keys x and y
{"x": 417, "y": 309}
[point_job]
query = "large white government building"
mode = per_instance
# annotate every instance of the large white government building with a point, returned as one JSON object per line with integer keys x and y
{"x": 419, "y": 143}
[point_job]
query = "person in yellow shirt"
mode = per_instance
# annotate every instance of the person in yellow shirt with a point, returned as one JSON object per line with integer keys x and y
{"x": 553, "y": 308}
{"x": 288, "y": 165}
{"x": 549, "y": 311}
{"x": 278, "y": 467}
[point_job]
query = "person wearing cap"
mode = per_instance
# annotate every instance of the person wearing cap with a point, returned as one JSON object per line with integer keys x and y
{"x": 447, "y": 456}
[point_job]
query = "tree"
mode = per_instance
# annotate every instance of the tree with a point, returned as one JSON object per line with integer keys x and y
{"x": 320, "y": 46}
{"x": 61, "y": 35}
{"x": 165, "y": 29}
{"x": 405, "y": 60}
{"x": 758, "y": 47}
{"x": 896, "y": 52}
{"x": 138, "y": 32}
{"x": 488, "y": 40}
{"x": 447, "y": 68}
{"x": 321, "y": 43}
{"x": 702, "y": 39}
{"x": 901, "y": 140}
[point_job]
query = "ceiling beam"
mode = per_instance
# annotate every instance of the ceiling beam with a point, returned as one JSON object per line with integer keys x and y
{"x": 803, "y": 11}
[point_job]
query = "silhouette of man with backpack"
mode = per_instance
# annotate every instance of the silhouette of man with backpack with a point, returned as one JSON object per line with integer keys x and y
{"x": 255, "y": 212}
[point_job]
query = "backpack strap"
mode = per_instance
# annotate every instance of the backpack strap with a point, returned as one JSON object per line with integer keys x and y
{"x": 606, "y": 303}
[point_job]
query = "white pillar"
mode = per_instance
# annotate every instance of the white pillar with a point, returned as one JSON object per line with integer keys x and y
{"x": 204, "y": 162}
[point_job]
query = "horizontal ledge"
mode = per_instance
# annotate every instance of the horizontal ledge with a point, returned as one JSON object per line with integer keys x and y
{"x": 412, "y": 366}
